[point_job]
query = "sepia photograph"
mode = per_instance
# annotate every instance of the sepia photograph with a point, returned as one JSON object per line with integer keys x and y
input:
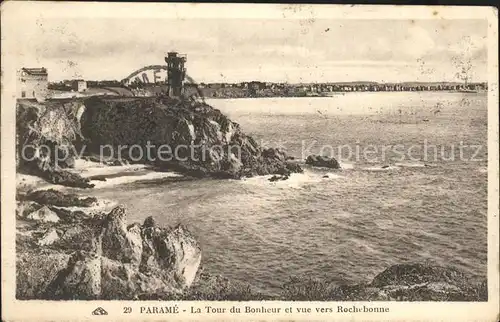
{"x": 275, "y": 158}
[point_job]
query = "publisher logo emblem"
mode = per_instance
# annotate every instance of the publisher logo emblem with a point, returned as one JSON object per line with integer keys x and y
{"x": 99, "y": 311}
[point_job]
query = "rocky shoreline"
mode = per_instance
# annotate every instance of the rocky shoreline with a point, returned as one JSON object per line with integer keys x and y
{"x": 76, "y": 247}
{"x": 87, "y": 252}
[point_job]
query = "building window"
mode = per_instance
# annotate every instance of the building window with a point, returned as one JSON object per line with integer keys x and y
{"x": 23, "y": 94}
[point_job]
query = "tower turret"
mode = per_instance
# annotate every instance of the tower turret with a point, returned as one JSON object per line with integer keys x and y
{"x": 176, "y": 72}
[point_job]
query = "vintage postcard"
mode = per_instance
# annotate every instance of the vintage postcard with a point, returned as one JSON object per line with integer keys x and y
{"x": 227, "y": 162}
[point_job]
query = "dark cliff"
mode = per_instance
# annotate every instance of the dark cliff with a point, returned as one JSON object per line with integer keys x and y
{"x": 190, "y": 137}
{"x": 179, "y": 135}
{"x": 46, "y": 138}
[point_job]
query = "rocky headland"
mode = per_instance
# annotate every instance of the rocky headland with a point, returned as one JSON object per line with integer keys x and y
{"x": 72, "y": 246}
{"x": 190, "y": 137}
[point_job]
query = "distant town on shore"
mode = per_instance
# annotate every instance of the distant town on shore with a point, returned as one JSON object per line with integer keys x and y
{"x": 33, "y": 83}
{"x": 268, "y": 89}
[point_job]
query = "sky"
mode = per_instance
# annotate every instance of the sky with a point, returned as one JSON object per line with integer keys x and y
{"x": 276, "y": 50}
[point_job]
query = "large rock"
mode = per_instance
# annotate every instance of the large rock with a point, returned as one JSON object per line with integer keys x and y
{"x": 419, "y": 282}
{"x": 210, "y": 143}
{"x": 414, "y": 274}
{"x": 118, "y": 242}
{"x": 80, "y": 280}
{"x": 174, "y": 251}
{"x": 48, "y": 238}
{"x": 180, "y": 252}
{"x": 58, "y": 198}
{"x": 110, "y": 259}
{"x": 24, "y": 208}
{"x": 43, "y": 214}
{"x": 323, "y": 161}
{"x": 403, "y": 282}
{"x": 68, "y": 207}
{"x": 45, "y": 140}
{"x": 124, "y": 281}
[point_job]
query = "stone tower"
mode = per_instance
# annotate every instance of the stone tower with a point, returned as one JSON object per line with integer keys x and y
{"x": 176, "y": 72}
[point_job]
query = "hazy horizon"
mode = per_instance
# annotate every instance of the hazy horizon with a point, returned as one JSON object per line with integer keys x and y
{"x": 271, "y": 50}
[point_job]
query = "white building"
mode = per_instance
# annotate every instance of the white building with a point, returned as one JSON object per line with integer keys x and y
{"x": 32, "y": 83}
{"x": 82, "y": 85}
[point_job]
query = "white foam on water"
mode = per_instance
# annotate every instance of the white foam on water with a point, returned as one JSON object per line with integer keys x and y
{"x": 88, "y": 168}
{"x": 410, "y": 164}
{"x": 128, "y": 179}
{"x": 379, "y": 168}
{"x": 81, "y": 164}
{"x": 482, "y": 170}
{"x": 346, "y": 166}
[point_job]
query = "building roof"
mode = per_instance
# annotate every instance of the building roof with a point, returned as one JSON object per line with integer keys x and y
{"x": 35, "y": 71}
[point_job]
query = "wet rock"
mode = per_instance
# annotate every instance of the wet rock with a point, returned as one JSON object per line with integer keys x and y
{"x": 278, "y": 178}
{"x": 43, "y": 214}
{"x": 57, "y": 198}
{"x": 274, "y": 154}
{"x": 294, "y": 167}
{"x": 323, "y": 161}
{"x": 65, "y": 178}
{"x": 149, "y": 222}
{"x": 98, "y": 178}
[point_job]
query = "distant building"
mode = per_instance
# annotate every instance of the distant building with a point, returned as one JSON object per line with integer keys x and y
{"x": 81, "y": 85}
{"x": 32, "y": 83}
